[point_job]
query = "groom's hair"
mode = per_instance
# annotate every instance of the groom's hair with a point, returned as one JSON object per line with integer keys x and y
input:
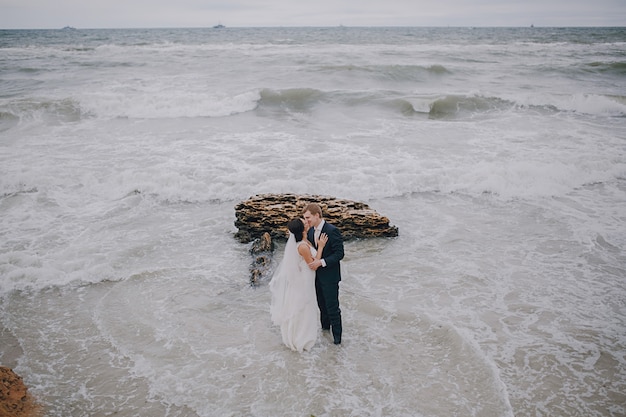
{"x": 296, "y": 227}
{"x": 313, "y": 208}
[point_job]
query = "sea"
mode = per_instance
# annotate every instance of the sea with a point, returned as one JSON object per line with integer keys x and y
{"x": 498, "y": 153}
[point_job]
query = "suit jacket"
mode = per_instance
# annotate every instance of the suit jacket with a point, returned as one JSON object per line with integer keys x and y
{"x": 332, "y": 253}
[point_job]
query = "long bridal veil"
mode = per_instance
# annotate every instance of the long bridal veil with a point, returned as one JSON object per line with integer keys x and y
{"x": 287, "y": 297}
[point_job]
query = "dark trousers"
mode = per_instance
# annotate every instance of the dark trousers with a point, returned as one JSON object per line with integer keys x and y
{"x": 328, "y": 303}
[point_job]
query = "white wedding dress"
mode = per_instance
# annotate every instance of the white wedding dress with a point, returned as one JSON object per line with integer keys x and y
{"x": 294, "y": 303}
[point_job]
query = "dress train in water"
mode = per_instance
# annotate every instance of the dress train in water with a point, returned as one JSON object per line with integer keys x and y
{"x": 294, "y": 303}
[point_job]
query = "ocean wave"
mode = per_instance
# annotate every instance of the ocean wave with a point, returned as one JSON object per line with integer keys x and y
{"x": 274, "y": 102}
{"x": 455, "y": 106}
{"x": 47, "y": 111}
{"x": 390, "y": 72}
{"x": 526, "y": 180}
{"x": 440, "y": 107}
{"x": 592, "y": 104}
{"x": 30, "y": 70}
{"x": 168, "y": 104}
{"x": 12, "y": 190}
{"x": 8, "y": 120}
{"x": 463, "y": 106}
{"x": 304, "y": 100}
{"x": 294, "y": 99}
{"x": 617, "y": 68}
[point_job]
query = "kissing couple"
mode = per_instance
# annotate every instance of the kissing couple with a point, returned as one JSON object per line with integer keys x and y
{"x": 305, "y": 286}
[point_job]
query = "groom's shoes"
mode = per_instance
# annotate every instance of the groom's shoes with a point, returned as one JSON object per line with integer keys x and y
{"x": 337, "y": 335}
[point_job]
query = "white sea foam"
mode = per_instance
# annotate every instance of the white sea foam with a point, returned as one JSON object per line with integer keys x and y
{"x": 122, "y": 157}
{"x": 591, "y": 104}
{"x": 167, "y": 102}
{"x": 596, "y": 105}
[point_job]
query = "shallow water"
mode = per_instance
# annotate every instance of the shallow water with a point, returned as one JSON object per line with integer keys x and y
{"x": 500, "y": 154}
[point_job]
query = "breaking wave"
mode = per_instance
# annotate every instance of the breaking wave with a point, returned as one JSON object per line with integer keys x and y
{"x": 445, "y": 107}
{"x": 617, "y": 68}
{"x": 390, "y": 72}
{"x": 272, "y": 102}
{"x": 49, "y": 112}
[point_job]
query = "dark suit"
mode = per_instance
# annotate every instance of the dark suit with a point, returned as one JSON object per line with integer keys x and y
{"x": 327, "y": 279}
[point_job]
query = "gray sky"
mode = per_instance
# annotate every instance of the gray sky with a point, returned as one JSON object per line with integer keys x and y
{"x": 44, "y": 14}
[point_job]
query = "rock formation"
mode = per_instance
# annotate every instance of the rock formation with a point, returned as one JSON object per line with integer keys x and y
{"x": 264, "y": 217}
{"x": 270, "y": 213}
{"x": 15, "y": 401}
{"x": 262, "y": 249}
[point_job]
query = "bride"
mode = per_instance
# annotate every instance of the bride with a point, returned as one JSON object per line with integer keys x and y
{"x": 294, "y": 303}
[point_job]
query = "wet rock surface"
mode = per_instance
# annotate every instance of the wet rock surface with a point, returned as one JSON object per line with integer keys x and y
{"x": 15, "y": 401}
{"x": 270, "y": 213}
{"x": 263, "y": 218}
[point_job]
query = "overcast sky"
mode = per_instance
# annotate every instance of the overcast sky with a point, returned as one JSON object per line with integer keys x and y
{"x": 44, "y": 14}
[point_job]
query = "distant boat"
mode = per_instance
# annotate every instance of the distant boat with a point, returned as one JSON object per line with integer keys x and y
{"x": 69, "y": 28}
{"x": 219, "y": 26}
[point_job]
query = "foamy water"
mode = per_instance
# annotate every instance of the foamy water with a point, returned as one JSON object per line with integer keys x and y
{"x": 500, "y": 154}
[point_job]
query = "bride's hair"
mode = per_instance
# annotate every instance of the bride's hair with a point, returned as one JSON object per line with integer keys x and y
{"x": 296, "y": 227}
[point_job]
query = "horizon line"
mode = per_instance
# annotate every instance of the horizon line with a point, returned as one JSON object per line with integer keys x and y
{"x": 531, "y": 26}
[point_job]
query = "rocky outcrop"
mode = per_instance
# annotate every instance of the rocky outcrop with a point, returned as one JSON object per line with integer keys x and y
{"x": 15, "y": 401}
{"x": 270, "y": 213}
{"x": 264, "y": 217}
{"x": 262, "y": 250}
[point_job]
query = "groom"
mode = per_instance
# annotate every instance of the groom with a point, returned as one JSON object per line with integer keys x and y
{"x": 327, "y": 270}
